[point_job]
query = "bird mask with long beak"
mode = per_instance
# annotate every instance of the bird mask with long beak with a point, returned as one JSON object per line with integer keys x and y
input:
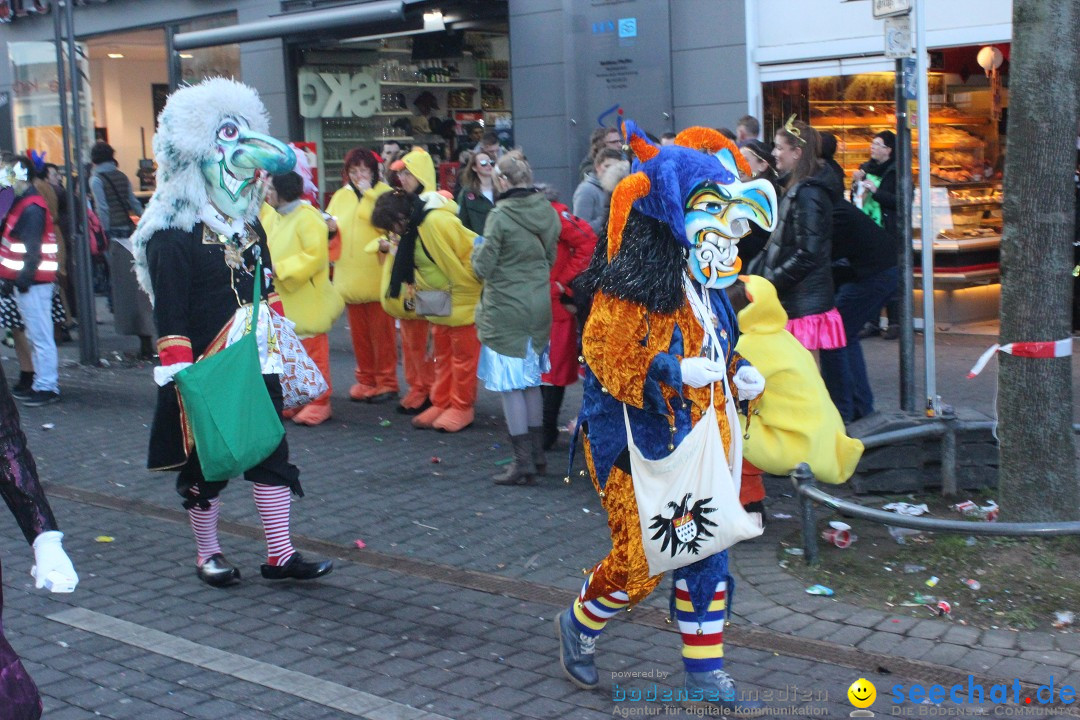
{"x": 696, "y": 187}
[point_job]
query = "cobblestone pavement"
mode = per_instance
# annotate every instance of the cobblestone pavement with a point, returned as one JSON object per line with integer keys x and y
{"x": 448, "y": 611}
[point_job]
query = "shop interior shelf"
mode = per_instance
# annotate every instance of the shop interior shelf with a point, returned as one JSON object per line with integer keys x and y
{"x": 889, "y": 121}
{"x": 391, "y": 83}
{"x": 971, "y": 277}
{"x": 366, "y": 138}
{"x": 955, "y": 245}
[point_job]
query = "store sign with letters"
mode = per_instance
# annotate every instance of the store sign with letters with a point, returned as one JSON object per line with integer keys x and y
{"x": 888, "y": 8}
{"x": 337, "y": 94}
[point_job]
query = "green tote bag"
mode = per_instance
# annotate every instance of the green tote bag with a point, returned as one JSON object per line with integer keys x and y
{"x": 232, "y": 416}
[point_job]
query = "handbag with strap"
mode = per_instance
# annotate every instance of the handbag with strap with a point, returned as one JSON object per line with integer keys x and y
{"x": 301, "y": 381}
{"x": 432, "y": 303}
{"x": 123, "y": 201}
{"x": 233, "y": 419}
{"x": 688, "y": 502}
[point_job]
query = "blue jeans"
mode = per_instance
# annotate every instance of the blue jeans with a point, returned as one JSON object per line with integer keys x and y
{"x": 844, "y": 370}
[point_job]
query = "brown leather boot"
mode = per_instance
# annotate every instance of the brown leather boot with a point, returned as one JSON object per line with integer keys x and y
{"x": 522, "y": 471}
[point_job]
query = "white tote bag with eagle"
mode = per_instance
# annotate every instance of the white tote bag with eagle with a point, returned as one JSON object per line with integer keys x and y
{"x": 688, "y": 503}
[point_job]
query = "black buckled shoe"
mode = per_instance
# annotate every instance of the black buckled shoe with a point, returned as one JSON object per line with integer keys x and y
{"x": 218, "y": 572}
{"x": 298, "y": 569}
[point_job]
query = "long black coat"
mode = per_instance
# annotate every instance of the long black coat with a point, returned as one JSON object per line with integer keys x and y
{"x": 798, "y": 257}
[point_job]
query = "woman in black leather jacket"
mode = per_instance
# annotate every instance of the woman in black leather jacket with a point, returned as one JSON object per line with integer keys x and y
{"x": 797, "y": 258}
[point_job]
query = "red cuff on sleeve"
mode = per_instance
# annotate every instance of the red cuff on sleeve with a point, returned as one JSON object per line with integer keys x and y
{"x": 275, "y": 303}
{"x": 174, "y": 349}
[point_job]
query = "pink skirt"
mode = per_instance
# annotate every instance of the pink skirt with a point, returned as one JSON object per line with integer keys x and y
{"x": 824, "y": 331}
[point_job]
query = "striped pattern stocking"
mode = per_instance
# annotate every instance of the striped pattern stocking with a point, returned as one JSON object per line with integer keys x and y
{"x": 273, "y": 503}
{"x": 703, "y": 642}
{"x": 591, "y": 616}
{"x": 204, "y": 523}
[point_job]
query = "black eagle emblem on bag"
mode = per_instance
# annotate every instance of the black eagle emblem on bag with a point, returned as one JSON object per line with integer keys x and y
{"x": 686, "y": 527}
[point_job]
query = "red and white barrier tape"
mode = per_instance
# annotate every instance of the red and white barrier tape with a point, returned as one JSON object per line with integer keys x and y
{"x": 1047, "y": 349}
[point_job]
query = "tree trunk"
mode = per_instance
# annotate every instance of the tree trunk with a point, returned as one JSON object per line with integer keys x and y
{"x": 1038, "y": 480}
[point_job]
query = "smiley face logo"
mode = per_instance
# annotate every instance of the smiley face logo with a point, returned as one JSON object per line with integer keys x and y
{"x": 862, "y": 693}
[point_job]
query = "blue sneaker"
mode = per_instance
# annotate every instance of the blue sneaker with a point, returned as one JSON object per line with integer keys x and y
{"x": 716, "y": 689}
{"x": 576, "y": 652}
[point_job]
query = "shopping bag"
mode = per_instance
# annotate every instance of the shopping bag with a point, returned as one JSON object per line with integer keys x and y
{"x": 301, "y": 380}
{"x": 233, "y": 419}
{"x": 687, "y": 502}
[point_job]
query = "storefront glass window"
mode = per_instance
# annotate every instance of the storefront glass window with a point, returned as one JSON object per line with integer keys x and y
{"x": 966, "y": 160}
{"x": 219, "y": 61}
{"x": 36, "y": 99}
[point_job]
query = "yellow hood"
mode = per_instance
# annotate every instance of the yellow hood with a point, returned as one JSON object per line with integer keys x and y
{"x": 419, "y": 163}
{"x": 764, "y": 314}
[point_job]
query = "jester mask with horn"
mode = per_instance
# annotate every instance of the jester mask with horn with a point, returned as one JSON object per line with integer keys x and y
{"x": 696, "y": 188}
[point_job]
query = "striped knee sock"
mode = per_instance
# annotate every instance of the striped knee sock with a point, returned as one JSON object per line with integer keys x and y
{"x": 204, "y": 523}
{"x": 273, "y": 504}
{"x": 591, "y": 616}
{"x": 703, "y": 642}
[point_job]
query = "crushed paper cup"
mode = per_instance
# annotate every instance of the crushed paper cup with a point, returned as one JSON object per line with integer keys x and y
{"x": 903, "y": 508}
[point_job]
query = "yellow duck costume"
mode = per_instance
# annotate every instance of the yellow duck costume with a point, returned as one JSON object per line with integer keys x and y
{"x": 299, "y": 248}
{"x": 796, "y": 420}
{"x": 441, "y": 261}
{"x": 356, "y": 277}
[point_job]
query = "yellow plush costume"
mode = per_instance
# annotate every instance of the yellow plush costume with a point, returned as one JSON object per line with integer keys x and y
{"x": 298, "y": 247}
{"x": 357, "y": 272}
{"x": 796, "y": 420}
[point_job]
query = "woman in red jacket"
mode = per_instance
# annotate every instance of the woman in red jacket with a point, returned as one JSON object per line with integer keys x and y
{"x": 576, "y": 244}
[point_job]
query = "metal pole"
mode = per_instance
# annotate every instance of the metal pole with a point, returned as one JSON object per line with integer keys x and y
{"x": 802, "y": 476}
{"x": 172, "y": 57}
{"x": 903, "y": 231}
{"x": 948, "y": 455}
{"x": 61, "y": 84}
{"x": 927, "y": 233}
{"x": 88, "y": 338}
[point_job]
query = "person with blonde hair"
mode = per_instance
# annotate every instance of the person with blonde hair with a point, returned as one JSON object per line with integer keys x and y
{"x": 513, "y": 319}
{"x": 797, "y": 259}
{"x": 477, "y": 196}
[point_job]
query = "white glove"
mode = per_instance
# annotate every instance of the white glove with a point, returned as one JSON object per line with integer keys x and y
{"x": 749, "y": 382}
{"x": 700, "y": 371}
{"x": 52, "y": 567}
{"x": 163, "y": 374}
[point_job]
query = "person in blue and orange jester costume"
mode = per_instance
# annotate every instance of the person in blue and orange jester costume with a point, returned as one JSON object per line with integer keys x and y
{"x": 674, "y": 228}
{"x": 197, "y": 248}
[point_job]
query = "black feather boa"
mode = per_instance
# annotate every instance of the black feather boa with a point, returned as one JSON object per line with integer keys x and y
{"x": 647, "y": 270}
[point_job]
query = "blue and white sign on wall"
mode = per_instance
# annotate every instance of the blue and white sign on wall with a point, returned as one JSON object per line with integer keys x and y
{"x": 627, "y": 27}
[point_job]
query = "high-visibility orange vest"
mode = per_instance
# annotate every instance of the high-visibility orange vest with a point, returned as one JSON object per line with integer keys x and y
{"x": 13, "y": 251}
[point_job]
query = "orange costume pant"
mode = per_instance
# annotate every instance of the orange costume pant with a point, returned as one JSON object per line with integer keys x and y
{"x": 374, "y": 346}
{"x": 318, "y": 347}
{"x": 419, "y": 363}
{"x": 457, "y": 353}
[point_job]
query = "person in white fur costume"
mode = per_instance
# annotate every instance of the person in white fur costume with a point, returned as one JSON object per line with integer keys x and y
{"x": 196, "y": 249}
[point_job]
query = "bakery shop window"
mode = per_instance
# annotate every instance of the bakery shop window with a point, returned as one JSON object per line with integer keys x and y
{"x": 967, "y": 142}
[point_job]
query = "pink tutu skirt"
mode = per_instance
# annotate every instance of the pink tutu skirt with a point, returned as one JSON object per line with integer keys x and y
{"x": 824, "y": 331}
